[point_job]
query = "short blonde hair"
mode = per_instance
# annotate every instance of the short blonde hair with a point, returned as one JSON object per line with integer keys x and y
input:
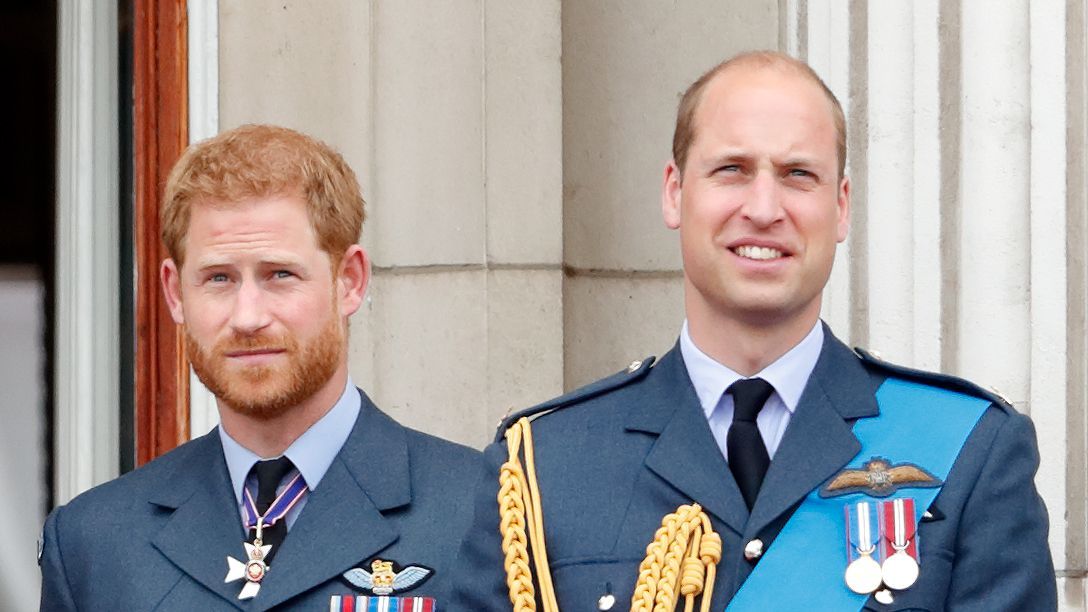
{"x": 260, "y": 161}
{"x": 684, "y": 133}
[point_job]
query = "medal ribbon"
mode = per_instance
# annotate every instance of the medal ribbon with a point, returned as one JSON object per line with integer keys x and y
{"x": 863, "y": 529}
{"x": 899, "y": 527}
{"x": 917, "y": 424}
{"x": 291, "y": 495}
{"x": 381, "y": 603}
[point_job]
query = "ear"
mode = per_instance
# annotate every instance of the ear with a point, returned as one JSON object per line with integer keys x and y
{"x": 671, "y": 195}
{"x": 171, "y": 289}
{"x": 352, "y": 279}
{"x": 844, "y": 209}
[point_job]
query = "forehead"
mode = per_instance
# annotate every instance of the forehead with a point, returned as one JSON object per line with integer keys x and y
{"x": 267, "y": 225}
{"x": 767, "y": 102}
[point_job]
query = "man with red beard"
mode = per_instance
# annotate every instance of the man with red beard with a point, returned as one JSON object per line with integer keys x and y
{"x": 306, "y": 496}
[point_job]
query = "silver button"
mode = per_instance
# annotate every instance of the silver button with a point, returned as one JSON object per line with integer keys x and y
{"x": 927, "y": 515}
{"x": 884, "y": 596}
{"x": 753, "y": 550}
{"x": 634, "y": 366}
{"x": 606, "y": 602}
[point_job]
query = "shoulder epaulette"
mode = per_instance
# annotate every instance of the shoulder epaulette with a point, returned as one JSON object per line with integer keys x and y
{"x": 635, "y": 371}
{"x": 937, "y": 379}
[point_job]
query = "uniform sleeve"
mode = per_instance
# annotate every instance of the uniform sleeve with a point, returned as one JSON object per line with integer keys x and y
{"x": 479, "y": 578}
{"x": 1002, "y": 559}
{"x": 56, "y": 593}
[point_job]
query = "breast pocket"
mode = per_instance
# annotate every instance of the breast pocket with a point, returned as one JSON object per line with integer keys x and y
{"x": 586, "y": 583}
{"x": 928, "y": 594}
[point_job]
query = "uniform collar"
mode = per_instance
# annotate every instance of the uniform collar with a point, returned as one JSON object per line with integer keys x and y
{"x": 788, "y": 374}
{"x": 313, "y": 451}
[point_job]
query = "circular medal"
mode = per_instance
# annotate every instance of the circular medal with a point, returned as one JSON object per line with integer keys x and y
{"x": 255, "y": 571}
{"x": 863, "y": 575}
{"x": 900, "y": 570}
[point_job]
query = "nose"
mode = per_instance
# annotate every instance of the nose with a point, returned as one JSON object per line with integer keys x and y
{"x": 250, "y": 313}
{"x": 763, "y": 206}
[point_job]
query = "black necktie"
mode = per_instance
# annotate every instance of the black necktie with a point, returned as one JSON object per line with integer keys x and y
{"x": 748, "y": 459}
{"x": 269, "y": 475}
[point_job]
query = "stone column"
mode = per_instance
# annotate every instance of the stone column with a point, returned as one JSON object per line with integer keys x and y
{"x": 968, "y": 248}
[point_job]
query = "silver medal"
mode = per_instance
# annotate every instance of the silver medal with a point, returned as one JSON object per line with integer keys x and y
{"x": 253, "y": 569}
{"x": 900, "y": 570}
{"x": 863, "y": 575}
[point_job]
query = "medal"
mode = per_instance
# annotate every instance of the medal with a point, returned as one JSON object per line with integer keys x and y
{"x": 863, "y": 573}
{"x": 254, "y": 568}
{"x": 900, "y": 569}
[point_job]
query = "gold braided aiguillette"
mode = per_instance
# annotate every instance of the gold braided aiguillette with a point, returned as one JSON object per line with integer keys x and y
{"x": 681, "y": 561}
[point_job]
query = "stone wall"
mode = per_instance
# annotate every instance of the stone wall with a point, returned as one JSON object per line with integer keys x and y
{"x": 511, "y": 154}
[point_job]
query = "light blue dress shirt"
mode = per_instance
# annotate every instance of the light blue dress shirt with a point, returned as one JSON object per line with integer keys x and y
{"x": 312, "y": 453}
{"x": 788, "y": 375}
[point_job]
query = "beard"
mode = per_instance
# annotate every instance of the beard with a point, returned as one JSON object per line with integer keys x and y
{"x": 268, "y": 391}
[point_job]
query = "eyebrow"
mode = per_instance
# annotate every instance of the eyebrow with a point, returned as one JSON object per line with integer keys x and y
{"x": 800, "y": 160}
{"x": 272, "y": 262}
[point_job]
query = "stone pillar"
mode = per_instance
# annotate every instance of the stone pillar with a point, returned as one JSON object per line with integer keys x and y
{"x": 968, "y": 248}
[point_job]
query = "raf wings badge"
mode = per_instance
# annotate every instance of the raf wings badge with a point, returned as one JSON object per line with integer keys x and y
{"x": 879, "y": 478}
{"x": 384, "y": 581}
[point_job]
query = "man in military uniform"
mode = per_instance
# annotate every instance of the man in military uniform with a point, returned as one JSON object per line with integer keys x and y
{"x": 824, "y": 478}
{"x": 306, "y": 496}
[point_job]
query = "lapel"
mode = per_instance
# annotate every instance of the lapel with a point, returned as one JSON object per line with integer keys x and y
{"x": 819, "y": 440}
{"x": 685, "y": 454}
{"x": 342, "y": 523}
{"x": 817, "y": 443}
{"x": 205, "y": 525}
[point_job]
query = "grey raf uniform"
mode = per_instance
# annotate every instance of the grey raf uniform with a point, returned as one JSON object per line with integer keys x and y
{"x": 158, "y": 537}
{"x": 614, "y": 457}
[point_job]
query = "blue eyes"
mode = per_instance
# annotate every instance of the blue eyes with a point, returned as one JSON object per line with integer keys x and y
{"x": 220, "y": 278}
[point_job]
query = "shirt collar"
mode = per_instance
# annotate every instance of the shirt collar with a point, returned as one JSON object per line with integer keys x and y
{"x": 313, "y": 451}
{"x": 788, "y": 374}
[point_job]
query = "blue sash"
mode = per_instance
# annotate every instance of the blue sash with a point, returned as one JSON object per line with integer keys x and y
{"x": 919, "y": 424}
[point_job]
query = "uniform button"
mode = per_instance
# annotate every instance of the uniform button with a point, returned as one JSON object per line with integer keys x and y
{"x": 634, "y": 366}
{"x": 606, "y": 602}
{"x": 753, "y": 550}
{"x": 885, "y": 597}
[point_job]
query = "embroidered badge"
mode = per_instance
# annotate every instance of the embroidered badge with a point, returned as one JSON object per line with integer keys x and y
{"x": 385, "y": 581}
{"x": 879, "y": 478}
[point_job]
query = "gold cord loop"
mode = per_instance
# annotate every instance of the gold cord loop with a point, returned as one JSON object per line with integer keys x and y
{"x": 683, "y": 556}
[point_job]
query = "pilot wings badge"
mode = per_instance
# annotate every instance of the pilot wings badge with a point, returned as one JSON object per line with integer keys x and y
{"x": 382, "y": 580}
{"x": 879, "y": 478}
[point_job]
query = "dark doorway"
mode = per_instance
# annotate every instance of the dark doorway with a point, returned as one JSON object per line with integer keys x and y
{"x": 28, "y": 50}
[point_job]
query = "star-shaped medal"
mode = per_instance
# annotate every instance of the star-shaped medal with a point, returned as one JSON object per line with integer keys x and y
{"x": 253, "y": 570}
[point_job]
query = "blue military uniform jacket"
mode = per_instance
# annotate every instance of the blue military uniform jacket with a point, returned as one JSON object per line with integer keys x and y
{"x": 615, "y": 457}
{"x": 158, "y": 537}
